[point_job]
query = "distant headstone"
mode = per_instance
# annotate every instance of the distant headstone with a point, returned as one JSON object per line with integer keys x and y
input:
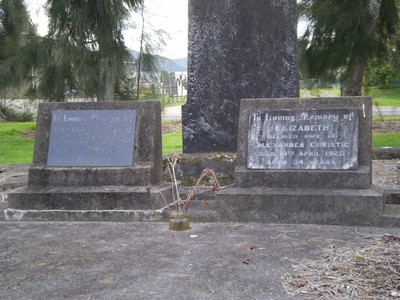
{"x": 97, "y": 138}
{"x": 237, "y": 49}
{"x": 303, "y": 139}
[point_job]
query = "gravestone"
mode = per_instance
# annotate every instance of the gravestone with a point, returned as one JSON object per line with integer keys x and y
{"x": 94, "y": 161}
{"x": 303, "y": 139}
{"x": 304, "y": 161}
{"x": 237, "y": 49}
{"x": 95, "y": 138}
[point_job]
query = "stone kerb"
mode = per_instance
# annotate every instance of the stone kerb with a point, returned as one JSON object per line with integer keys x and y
{"x": 357, "y": 176}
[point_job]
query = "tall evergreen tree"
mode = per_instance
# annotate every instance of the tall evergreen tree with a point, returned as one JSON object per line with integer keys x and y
{"x": 347, "y": 34}
{"x": 18, "y": 44}
{"x": 85, "y": 46}
{"x": 147, "y": 62}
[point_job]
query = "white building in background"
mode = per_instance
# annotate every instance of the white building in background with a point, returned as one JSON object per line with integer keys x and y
{"x": 171, "y": 80}
{"x": 174, "y": 83}
{"x": 181, "y": 83}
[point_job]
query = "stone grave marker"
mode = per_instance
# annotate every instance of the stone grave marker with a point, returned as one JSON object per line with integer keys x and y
{"x": 237, "y": 49}
{"x": 303, "y": 139}
{"x": 304, "y": 161}
{"x": 94, "y": 161}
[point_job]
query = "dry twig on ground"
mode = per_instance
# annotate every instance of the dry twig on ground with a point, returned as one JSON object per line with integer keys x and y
{"x": 207, "y": 174}
{"x": 368, "y": 272}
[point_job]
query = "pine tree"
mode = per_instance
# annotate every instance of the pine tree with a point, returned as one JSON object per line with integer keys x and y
{"x": 18, "y": 44}
{"x": 346, "y": 34}
{"x": 85, "y": 46}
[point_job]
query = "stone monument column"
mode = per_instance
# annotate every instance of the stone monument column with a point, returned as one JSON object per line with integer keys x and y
{"x": 237, "y": 49}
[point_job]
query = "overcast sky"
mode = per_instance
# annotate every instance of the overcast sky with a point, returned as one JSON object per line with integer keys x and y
{"x": 171, "y": 16}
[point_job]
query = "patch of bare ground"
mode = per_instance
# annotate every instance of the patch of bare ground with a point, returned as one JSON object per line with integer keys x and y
{"x": 169, "y": 127}
{"x": 386, "y": 173}
{"x": 30, "y": 134}
{"x": 385, "y": 126}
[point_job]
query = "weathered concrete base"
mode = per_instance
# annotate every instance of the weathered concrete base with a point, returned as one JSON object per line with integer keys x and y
{"x": 199, "y": 212}
{"x": 190, "y": 166}
{"x": 306, "y": 206}
{"x": 392, "y": 197}
{"x": 324, "y": 179}
{"x": 89, "y": 198}
{"x": 138, "y": 175}
{"x": 386, "y": 153}
{"x": 86, "y": 215}
{"x": 201, "y": 209}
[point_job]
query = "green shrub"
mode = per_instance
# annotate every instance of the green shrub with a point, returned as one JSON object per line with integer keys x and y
{"x": 11, "y": 115}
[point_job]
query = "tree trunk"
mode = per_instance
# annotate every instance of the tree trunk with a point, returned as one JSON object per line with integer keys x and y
{"x": 140, "y": 56}
{"x": 355, "y": 74}
{"x": 107, "y": 76}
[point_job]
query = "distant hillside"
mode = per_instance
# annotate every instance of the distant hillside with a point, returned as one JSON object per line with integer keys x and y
{"x": 177, "y": 65}
{"x": 168, "y": 64}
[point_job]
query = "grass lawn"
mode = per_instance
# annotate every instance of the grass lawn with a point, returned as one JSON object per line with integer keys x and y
{"x": 166, "y": 101}
{"x": 386, "y": 140}
{"x": 14, "y": 148}
{"x": 386, "y": 118}
{"x": 328, "y": 92}
{"x": 385, "y": 97}
{"x": 172, "y": 142}
{"x": 382, "y": 97}
{"x": 173, "y": 101}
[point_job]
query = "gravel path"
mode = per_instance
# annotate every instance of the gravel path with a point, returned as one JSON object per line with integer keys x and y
{"x": 386, "y": 173}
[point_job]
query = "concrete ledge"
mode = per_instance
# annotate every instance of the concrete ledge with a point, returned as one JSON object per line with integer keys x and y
{"x": 138, "y": 175}
{"x": 392, "y": 197}
{"x": 3, "y": 207}
{"x": 89, "y": 198}
{"x": 305, "y": 206}
{"x": 190, "y": 167}
{"x": 392, "y": 210}
{"x": 198, "y": 212}
{"x": 324, "y": 179}
{"x": 386, "y": 153}
{"x": 86, "y": 215}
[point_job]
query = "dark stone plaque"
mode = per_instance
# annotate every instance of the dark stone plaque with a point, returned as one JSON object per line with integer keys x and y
{"x": 303, "y": 139}
{"x": 95, "y": 138}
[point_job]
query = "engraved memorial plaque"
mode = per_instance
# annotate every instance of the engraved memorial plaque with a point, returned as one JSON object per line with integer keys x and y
{"x": 303, "y": 139}
{"x": 92, "y": 138}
